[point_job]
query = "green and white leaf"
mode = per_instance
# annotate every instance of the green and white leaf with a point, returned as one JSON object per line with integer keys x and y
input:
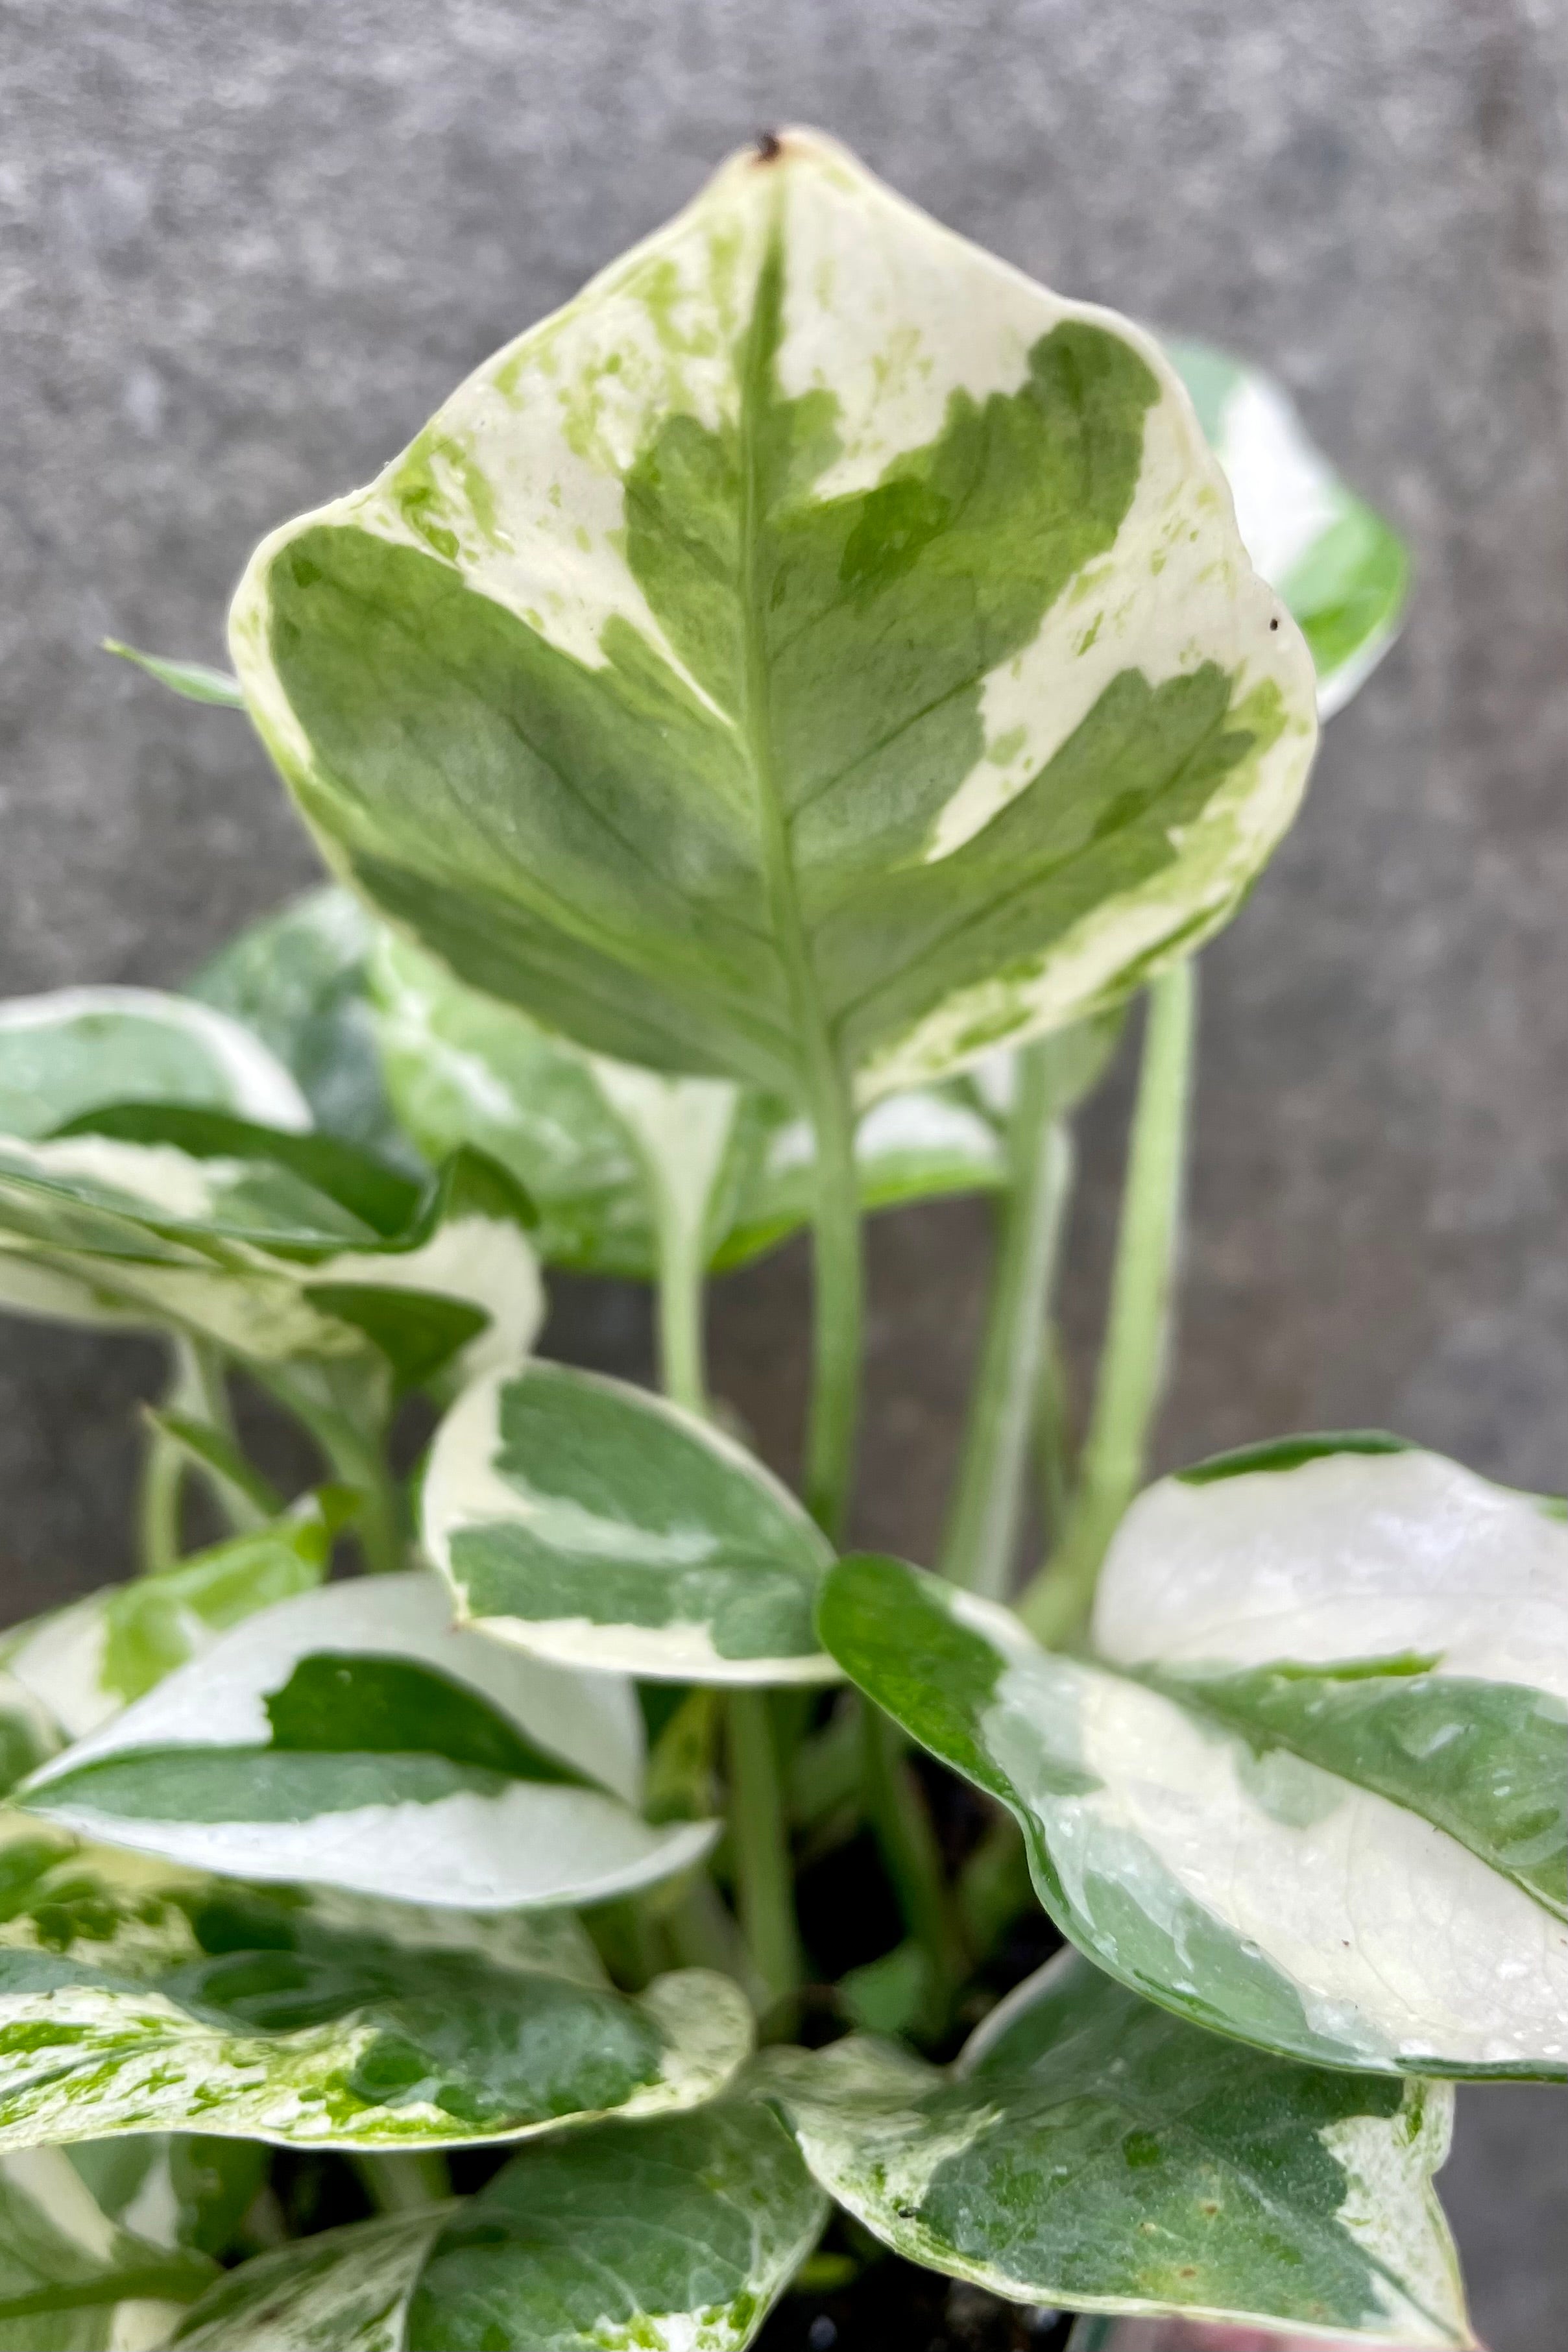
{"x": 1312, "y": 1790}
{"x": 596, "y": 1525}
{"x": 28, "y": 1733}
{"x": 77, "y": 1048}
{"x": 597, "y": 1142}
{"x": 818, "y": 650}
{"x": 341, "y": 2291}
{"x": 174, "y": 2188}
{"x": 351, "y": 1738}
{"x": 193, "y": 681}
{"x": 1337, "y": 564}
{"x": 298, "y": 980}
{"x": 72, "y": 2280}
{"x": 674, "y": 2236}
{"x": 135, "y": 1997}
{"x": 272, "y": 1245}
{"x": 1092, "y": 2151}
{"x": 84, "y": 1663}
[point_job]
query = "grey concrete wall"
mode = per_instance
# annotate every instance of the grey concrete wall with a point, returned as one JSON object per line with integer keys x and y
{"x": 246, "y": 250}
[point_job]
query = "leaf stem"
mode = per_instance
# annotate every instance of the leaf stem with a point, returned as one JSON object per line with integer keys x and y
{"x": 683, "y": 1274}
{"x": 158, "y": 1497}
{"x": 902, "y": 1827}
{"x": 403, "y": 2180}
{"x": 981, "y": 1545}
{"x": 837, "y": 1311}
{"x": 1133, "y": 1364}
{"x": 760, "y": 1846}
{"x": 196, "y": 1390}
{"x": 355, "y": 1457}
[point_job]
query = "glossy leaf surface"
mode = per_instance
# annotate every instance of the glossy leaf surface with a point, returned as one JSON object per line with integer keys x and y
{"x": 1092, "y": 2151}
{"x": 75, "y": 1048}
{"x": 84, "y": 1663}
{"x": 816, "y": 645}
{"x": 591, "y": 1523}
{"x": 1312, "y": 1790}
{"x": 351, "y": 1738}
{"x": 136, "y": 1998}
{"x": 674, "y": 2236}
{"x": 273, "y": 1245}
{"x": 1337, "y": 564}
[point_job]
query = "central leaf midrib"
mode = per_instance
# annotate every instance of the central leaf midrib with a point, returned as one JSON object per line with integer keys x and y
{"x": 820, "y": 1078}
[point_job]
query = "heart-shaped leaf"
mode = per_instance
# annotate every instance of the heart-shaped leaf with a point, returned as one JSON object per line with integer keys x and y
{"x": 1310, "y": 1790}
{"x": 84, "y": 1663}
{"x": 71, "y": 2278}
{"x": 273, "y": 1245}
{"x": 1091, "y": 2150}
{"x": 134, "y": 1997}
{"x": 674, "y": 2236}
{"x": 77, "y": 1048}
{"x": 591, "y": 1523}
{"x": 1337, "y": 564}
{"x": 351, "y": 1738}
{"x": 817, "y": 650}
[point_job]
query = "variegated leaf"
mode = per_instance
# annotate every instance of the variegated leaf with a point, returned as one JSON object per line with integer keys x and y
{"x": 674, "y": 2236}
{"x": 593, "y": 1524}
{"x": 1337, "y": 564}
{"x": 135, "y": 1997}
{"x": 1091, "y": 2150}
{"x": 351, "y": 1738}
{"x": 84, "y": 1663}
{"x": 183, "y": 2189}
{"x": 70, "y": 1051}
{"x": 273, "y": 1246}
{"x": 1311, "y": 1788}
{"x": 298, "y": 979}
{"x": 72, "y": 2280}
{"x": 817, "y": 649}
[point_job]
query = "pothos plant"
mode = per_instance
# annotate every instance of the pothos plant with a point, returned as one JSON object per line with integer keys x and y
{"x": 767, "y": 729}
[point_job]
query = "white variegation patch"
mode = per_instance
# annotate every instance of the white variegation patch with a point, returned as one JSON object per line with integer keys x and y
{"x": 654, "y": 1523}
{"x": 350, "y": 2296}
{"x": 1345, "y": 1555}
{"x": 125, "y": 2040}
{"x": 74, "y": 2277}
{"x": 487, "y": 1262}
{"x": 222, "y": 1065}
{"x": 528, "y": 1843}
{"x": 1405, "y": 1946}
{"x": 63, "y": 1660}
{"x": 1288, "y": 500}
{"x": 1270, "y": 1873}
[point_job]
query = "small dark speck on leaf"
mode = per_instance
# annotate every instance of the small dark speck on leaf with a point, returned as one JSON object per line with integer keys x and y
{"x": 770, "y": 146}
{"x": 1273, "y": 624}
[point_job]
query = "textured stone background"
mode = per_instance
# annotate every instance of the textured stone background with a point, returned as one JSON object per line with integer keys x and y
{"x": 246, "y": 250}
